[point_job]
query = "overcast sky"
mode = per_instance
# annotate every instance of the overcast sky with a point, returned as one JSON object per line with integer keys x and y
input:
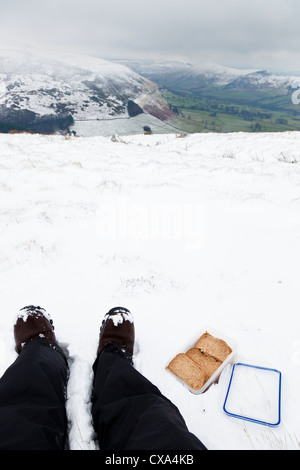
{"x": 240, "y": 33}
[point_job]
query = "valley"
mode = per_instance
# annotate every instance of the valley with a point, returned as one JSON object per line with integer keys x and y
{"x": 213, "y": 98}
{"x": 211, "y": 114}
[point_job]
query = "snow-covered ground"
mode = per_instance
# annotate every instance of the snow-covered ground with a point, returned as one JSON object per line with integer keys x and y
{"x": 125, "y": 126}
{"x": 193, "y": 232}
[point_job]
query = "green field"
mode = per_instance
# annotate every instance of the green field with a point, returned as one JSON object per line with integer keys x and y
{"x": 216, "y": 110}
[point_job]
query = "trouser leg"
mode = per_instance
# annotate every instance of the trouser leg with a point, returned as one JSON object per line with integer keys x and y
{"x": 32, "y": 399}
{"x": 130, "y": 413}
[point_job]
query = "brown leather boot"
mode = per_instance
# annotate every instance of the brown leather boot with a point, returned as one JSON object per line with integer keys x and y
{"x": 117, "y": 328}
{"x": 32, "y": 322}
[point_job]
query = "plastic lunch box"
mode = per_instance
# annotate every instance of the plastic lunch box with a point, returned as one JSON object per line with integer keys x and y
{"x": 215, "y": 377}
{"x": 254, "y": 394}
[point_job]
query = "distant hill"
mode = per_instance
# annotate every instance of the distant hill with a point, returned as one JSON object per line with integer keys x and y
{"x": 188, "y": 76}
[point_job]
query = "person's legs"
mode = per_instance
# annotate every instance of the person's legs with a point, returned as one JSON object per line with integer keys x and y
{"x": 129, "y": 412}
{"x": 33, "y": 393}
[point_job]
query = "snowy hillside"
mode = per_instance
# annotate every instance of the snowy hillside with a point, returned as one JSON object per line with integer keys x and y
{"x": 188, "y": 233}
{"x": 209, "y": 73}
{"x": 34, "y": 85}
{"x": 232, "y": 77}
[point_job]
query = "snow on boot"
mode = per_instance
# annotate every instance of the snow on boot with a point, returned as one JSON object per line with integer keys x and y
{"x": 117, "y": 328}
{"x": 32, "y": 322}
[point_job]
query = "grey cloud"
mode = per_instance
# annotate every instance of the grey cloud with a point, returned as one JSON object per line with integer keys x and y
{"x": 235, "y": 31}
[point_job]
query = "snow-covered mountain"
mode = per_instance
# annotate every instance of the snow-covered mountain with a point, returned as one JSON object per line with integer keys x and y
{"x": 34, "y": 85}
{"x": 212, "y": 74}
{"x": 239, "y": 78}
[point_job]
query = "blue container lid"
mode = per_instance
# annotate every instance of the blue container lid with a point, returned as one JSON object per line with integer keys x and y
{"x": 254, "y": 394}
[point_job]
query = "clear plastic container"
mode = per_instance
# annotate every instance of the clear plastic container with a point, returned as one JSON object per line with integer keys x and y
{"x": 254, "y": 394}
{"x": 215, "y": 377}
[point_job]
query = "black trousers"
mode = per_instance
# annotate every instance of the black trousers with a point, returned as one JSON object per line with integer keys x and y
{"x": 128, "y": 411}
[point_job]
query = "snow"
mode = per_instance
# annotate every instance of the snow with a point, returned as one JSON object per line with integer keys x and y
{"x": 184, "y": 232}
{"x": 120, "y": 315}
{"x": 226, "y": 75}
{"x": 31, "y": 309}
{"x": 123, "y": 125}
{"x": 220, "y": 74}
{"x": 47, "y": 83}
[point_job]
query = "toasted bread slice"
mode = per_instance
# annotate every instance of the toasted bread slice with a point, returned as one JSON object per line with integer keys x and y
{"x": 208, "y": 363}
{"x": 188, "y": 371}
{"x": 214, "y": 347}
